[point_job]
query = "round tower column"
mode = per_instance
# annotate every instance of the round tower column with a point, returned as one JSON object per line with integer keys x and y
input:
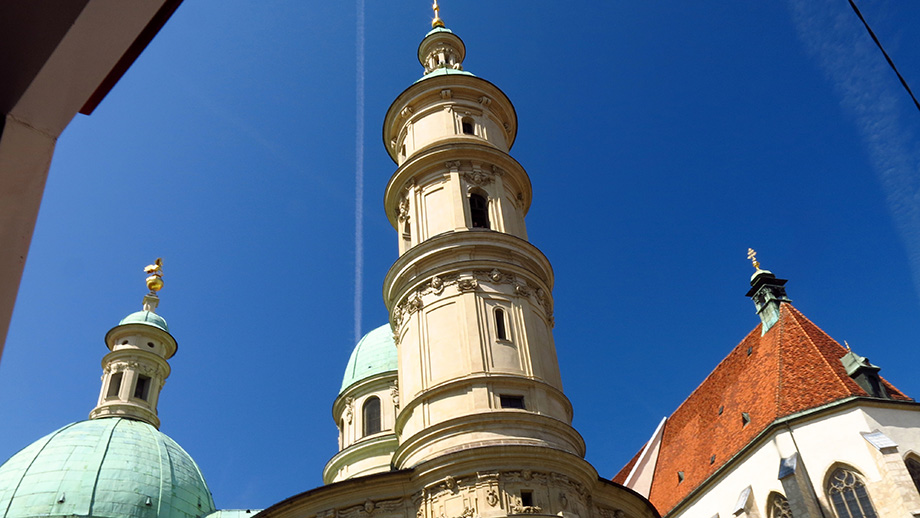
{"x": 470, "y": 299}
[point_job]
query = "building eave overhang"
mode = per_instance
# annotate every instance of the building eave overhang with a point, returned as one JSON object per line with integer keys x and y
{"x": 789, "y": 420}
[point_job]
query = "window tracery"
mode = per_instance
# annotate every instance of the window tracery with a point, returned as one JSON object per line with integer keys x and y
{"x": 848, "y": 495}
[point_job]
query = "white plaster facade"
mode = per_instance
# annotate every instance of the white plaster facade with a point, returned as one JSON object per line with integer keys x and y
{"x": 805, "y": 441}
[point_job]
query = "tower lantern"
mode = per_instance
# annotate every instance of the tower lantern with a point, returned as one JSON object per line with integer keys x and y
{"x": 135, "y": 369}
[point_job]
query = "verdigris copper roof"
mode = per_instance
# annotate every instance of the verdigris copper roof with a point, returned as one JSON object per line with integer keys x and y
{"x": 104, "y": 468}
{"x": 146, "y": 317}
{"x": 374, "y": 354}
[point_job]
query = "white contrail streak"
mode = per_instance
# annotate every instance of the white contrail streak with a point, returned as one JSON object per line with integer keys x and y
{"x": 359, "y": 167}
{"x": 868, "y": 90}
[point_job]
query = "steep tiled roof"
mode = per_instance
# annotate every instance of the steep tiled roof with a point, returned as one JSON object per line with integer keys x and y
{"x": 620, "y": 477}
{"x": 794, "y": 367}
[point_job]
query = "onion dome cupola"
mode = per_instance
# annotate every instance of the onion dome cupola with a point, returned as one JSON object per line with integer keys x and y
{"x": 135, "y": 369}
{"x": 365, "y": 409}
{"x": 117, "y": 464}
{"x": 470, "y": 298}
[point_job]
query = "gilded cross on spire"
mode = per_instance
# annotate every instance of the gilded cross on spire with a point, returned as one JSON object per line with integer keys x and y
{"x": 752, "y": 256}
{"x": 437, "y": 22}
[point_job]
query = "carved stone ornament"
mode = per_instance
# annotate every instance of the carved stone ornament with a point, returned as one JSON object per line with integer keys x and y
{"x": 521, "y": 290}
{"x": 446, "y": 93}
{"x": 437, "y": 285}
{"x": 478, "y": 178}
{"x": 396, "y": 338}
{"x": 506, "y": 126}
{"x": 492, "y": 497}
{"x": 403, "y": 214}
{"x": 414, "y": 304}
{"x": 453, "y": 165}
{"x": 495, "y": 275}
{"x": 394, "y": 393}
{"x": 393, "y": 143}
{"x": 563, "y": 501}
{"x": 450, "y": 483}
{"x": 369, "y": 506}
{"x": 467, "y": 284}
{"x": 485, "y": 101}
{"x": 349, "y": 409}
{"x": 406, "y": 112}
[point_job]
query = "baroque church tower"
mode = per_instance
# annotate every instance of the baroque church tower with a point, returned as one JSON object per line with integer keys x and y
{"x": 455, "y": 408}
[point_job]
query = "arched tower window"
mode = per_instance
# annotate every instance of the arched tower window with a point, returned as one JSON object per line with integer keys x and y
{"x": 913, "y": 467}
{"x": 371, "y": 416}
{"x": 848, "y": 495}
{"x": 500, "y": 331}
{"x": 779, "y": 506}
{"x": 479, "y": 211}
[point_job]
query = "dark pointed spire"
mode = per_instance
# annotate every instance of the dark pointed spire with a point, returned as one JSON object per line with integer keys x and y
{"x": 767, "y": 292}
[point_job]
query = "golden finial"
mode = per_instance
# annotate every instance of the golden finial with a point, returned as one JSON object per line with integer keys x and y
{"x": 437, "y": 22}
{"x": 846, "y": 344}
{"x": 155, "y": 276}
{"x": 752, "y": 256}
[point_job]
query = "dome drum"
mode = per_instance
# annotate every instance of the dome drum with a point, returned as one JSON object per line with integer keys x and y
{"x": 140, "y": 335}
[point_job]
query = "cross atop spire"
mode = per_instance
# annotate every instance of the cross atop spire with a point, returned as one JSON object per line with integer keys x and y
{"x": 437, "y": 22}
{"x": 752, "y": 256}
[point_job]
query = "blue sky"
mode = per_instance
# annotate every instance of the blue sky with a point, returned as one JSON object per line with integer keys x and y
{"x": 662, "y": 138}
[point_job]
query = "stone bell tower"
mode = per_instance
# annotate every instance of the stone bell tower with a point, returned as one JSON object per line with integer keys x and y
{"x": 470, "y": 299}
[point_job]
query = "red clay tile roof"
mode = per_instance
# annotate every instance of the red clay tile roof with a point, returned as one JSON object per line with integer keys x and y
{"x": 795, "y": 366}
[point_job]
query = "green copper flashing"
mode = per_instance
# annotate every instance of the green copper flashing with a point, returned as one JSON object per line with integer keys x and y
{"x": 374, "y": 354}
{"x": 104, "y": 468}
{"x": 437, "y": 30}
{"x": 444, "y": 72}
{"x": 146, "y": 317}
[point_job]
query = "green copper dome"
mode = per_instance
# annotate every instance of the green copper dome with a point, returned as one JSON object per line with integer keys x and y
{"x": 146, "y": 317}
{"x": 104, "y": 468}
{"x": 374, "y": 354}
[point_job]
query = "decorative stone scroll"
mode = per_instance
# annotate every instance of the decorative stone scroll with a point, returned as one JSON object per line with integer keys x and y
{"x": 368, "y": 508}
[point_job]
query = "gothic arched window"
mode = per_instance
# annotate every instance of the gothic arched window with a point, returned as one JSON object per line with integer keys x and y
{"x": 371, "y": 416}
{"x": 913, "y": 467}
{"x": 848, "y": 495}
{"x": 479, "y": 211}
{"x": 779, "y": 506}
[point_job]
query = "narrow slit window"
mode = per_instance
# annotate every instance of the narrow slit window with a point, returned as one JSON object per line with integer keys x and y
{"x": 466, "y": 126}
{"x": 371, "y": 416}
{"x": 500, "y": 331}
{"x": 142, "y": 389}
{"x": 114, "y": 385}
{"x": 479, "y": 211}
